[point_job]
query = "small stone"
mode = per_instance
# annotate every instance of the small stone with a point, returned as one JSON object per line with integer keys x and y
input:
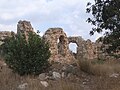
{"x": 44, "y": 83}
{"x": 69, "y": 69}
{"x": 22, "y": 86}
{"x": 84, "y": 83}
{"x": 56, "y": 75}
{"x": 49, "y": 78}
{"x": 2, "y": 63}
{"x": 50, "y": 73}
{"x": 115, "y": 75}
{"x": 87, "y": 80}
{"x": 42, "y": 76}
{"x": 63, "y": 74}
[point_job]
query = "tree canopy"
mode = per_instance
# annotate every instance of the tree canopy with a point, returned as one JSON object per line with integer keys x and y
{"x": 106, "y": 18}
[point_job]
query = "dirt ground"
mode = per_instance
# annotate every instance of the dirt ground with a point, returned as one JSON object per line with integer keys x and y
{"x": 85, "y": 81}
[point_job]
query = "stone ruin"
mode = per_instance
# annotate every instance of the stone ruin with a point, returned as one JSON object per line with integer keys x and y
{"x": 59, "y": 44}
{"x": 85, "y": 49}
{"x": 23, "y": 27}
{"x": 3, "y": 35}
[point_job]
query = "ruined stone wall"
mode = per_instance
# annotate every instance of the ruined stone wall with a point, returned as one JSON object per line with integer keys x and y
{"x": 3, "y": 35}
{"x": 80, "y": 42}
{"x": 85, "y": 49}
{"x": 59, "y": 48}
{"x": 59, "y": 44}
{"x": 91, "y": 49}
{"x": 24, "y": 27}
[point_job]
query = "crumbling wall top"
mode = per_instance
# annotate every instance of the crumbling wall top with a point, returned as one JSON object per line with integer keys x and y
{"x": 59, "y": 47}
{"x": 4, "y": 34}
{"x": 76, "y": 39}
{"x": 24, "y": 26}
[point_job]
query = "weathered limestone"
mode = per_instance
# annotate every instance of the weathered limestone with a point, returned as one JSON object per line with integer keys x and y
{"x": 4, "y": 34}
{"x": 85, "y": 49}
{"x": 23, "y": 27}
{"x": 80, "y": 42}
{"x": 91, "y": 50}
{"x": 58, "y": 45}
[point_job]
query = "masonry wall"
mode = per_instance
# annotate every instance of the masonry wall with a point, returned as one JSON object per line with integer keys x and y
{"x": 59, "y": 44}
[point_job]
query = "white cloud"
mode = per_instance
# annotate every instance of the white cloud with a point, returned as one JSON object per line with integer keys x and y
{"x": 68, "y": 14}
{"x": 17, "y": 8}
{"x": 7, "y": 27}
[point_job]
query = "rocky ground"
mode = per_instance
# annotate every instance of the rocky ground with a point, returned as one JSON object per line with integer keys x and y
{"x": 58, "y": 77}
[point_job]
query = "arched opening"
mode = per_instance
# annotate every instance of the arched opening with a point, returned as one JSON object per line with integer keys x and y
{"x": 73, "y": 48}
{"x": 61, "y": 45}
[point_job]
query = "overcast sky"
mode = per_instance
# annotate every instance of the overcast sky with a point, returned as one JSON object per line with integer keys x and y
{"x": 43, "y": 14}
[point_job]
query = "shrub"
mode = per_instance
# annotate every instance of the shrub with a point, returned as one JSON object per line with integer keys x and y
{"x": 26, "y": 56}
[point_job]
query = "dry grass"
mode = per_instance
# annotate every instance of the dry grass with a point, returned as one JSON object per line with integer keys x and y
{"x": 105, "y": 83}
{"x": 97, "y": 75}
{"x": 99, "y": 72}
{"x": 11, "y": 81}
{"x": 100, "y": 67}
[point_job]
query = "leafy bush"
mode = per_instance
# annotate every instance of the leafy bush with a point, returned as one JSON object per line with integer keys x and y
{"x": 26, "y": 56}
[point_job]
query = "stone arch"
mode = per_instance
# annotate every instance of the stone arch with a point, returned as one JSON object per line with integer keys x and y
{"x": 59, "y": 51}
{"x": 73, "y": 49}
{"x": 80, "y": 42}
{"x": 73, "y": 41}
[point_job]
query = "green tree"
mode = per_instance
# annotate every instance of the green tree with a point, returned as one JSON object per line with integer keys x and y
{"x": 106, "y": 17}
{"x": 26, "y": 56}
